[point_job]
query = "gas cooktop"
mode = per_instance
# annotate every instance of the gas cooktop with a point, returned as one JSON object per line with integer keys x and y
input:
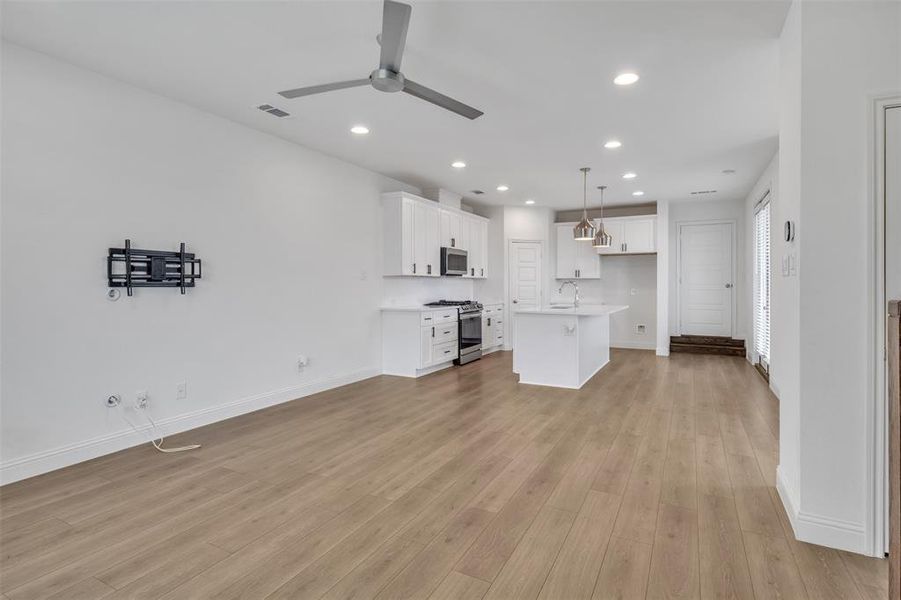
{"x": 463, "y": 305}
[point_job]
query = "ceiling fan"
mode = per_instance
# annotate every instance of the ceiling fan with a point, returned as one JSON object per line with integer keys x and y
{"x": 388, "y": 78}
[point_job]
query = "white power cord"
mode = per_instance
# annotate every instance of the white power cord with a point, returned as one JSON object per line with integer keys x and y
{"x": 153, "y": 437}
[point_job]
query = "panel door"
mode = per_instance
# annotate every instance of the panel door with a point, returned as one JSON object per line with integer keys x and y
{"x": 426, "y": 346}
{"x": 705, "y": 279}
{"x": 588, "y": 263}
{"x": 525, "y": 277}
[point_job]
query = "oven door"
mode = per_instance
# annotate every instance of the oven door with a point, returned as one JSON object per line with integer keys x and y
{"x": 470, "y": 337}
{"x": 453, "y": 261}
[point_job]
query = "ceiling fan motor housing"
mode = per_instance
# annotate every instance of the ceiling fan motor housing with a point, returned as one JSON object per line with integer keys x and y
{"x": 385, "y": 80}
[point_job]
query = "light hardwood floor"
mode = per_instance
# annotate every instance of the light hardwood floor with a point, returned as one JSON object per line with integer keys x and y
{"x": 655, "y": 480}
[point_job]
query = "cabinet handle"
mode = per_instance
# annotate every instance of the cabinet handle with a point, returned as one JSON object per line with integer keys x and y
{"x": 489, "y": 321}
{"x": 483, "y": 272}
{"x": 447, "y": 351}
{"x": 453, "y": 242}
{"x": 472, "y": 272}
{"x": 428, "y": 269}
{"x": 433, "y": 332}
{"x": 427, "y": 318}
{"x": 414, "y": 268}
{"x": 626, "y": 245}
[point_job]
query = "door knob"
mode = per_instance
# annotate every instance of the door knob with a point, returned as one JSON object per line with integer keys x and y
{"x": 728, "y": 285}
{"x": 516, "y": 302}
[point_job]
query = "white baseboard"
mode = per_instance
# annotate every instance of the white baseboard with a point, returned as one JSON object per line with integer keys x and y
{"x": 634, "y": 345}
{"x": 818, "y": 529}
{"x": 64, "y": 456}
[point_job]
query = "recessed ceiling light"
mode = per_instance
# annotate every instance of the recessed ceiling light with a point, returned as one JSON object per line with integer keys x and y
{"x": 359, "y": 129}
{"x": 629, "y": 175}
{"x": 502, "y": 188}
{"x": 612, "y": 144}
{"x": 458, "y": 164}
{"x": 530, "y": 202}
{"x": 638, "y": 193}
{"x": 625, "y": 79}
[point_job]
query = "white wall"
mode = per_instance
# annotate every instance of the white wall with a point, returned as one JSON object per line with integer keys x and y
{"x": 87, "y": 162}
{"x": 848, "y": 52}
{"x": 708, "y": 210}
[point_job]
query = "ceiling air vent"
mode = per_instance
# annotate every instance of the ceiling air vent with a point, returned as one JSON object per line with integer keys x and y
{"x": 277, "y": 112}
{"x": 478, "y": 192}
{"x": 703, "y": 192}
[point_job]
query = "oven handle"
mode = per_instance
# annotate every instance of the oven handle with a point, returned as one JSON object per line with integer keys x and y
{"x": 475, "y": 315}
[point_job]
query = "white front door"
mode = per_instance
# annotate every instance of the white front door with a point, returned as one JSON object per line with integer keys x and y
{"x": 525, "y": 279}
{"x": 706, "y": 283}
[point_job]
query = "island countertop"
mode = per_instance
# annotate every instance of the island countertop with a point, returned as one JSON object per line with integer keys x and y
{"x": 584, "y": 310}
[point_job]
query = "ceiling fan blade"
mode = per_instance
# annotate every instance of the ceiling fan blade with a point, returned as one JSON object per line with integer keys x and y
{"x": 437, "y": 98}
{"x": 395, "y": 20}
{"x": 327, "y": 87}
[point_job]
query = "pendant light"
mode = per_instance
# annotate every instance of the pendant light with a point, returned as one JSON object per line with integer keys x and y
{"x": 602, "y": 239}
{"x": 584, "y": 230}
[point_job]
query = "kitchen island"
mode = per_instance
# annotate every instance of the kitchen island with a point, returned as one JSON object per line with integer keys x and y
{"x": 562, "y": 346}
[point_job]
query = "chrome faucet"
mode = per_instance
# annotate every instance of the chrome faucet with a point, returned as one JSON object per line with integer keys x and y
{"x": 575, "y": 287}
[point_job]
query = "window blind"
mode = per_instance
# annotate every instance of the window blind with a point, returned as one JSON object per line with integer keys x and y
{"x": 762, "y": 282}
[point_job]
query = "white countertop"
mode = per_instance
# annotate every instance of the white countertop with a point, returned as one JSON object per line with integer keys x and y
{"x": 584, "y": 310}
{"x": 409, "y": 308}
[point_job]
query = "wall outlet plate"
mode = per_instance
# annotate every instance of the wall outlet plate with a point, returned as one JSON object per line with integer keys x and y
{"x": 641, "y": 328}
{"x": 181, "y": 390}
{"x": 141, "y": 399}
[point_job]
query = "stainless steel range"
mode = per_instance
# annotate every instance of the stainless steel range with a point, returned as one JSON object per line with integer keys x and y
{"x": 469, "y": 336}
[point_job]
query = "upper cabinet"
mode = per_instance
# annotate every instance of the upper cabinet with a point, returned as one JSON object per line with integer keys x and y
{"x": 575, "y": 259}
{"x": 631, "y": 235}
{"x": 415, "y": 229}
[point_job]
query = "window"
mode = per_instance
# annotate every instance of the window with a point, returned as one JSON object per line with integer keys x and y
{"x": 762, "y": 282}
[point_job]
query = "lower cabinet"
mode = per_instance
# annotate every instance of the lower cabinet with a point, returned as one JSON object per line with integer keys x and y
{"x": 492, "y": 327}
{"x": 416, "y": 342}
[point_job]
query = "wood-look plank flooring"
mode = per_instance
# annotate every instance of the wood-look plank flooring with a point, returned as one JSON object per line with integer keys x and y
{"x": 655, "y": 480}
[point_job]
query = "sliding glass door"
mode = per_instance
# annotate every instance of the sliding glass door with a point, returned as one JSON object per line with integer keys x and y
{"x": 762, "y": 282}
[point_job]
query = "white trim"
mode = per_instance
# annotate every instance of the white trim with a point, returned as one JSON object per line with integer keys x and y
{"x": 634, "y": 345}
{"x": 64, "y": 456}
{"x": 734, "y": 224}
{"x": 817, "y": 529}
{"x": 877, "y": 405}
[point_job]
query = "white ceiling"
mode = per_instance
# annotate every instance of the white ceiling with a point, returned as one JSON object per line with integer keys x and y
{"x": 541, "y": 71}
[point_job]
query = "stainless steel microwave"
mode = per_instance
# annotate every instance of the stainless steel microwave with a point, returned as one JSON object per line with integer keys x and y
{"x": 454, "y": 262}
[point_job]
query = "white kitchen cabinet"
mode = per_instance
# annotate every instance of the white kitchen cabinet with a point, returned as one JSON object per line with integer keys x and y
{"x": 454, "y": 230}
{"x": 477, "y": 251}
{"x": 576, "y": 259}
{"x": 426, "y": 251}
{"x": 631, "y": 235}
{"x": 492, "y": 327}
{"x": 416, "y": 342}
{"x": 415, "y": 230}
{"x": 411, "y": 229}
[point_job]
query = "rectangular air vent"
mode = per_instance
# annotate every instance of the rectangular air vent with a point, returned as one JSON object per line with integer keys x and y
{"x": 703, "y": 192}
{"x": 276, "y": 112}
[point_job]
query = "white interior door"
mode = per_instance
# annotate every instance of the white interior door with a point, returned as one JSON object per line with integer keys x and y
{"x": 706, "y": 283}
{"x": 525, "y": 280}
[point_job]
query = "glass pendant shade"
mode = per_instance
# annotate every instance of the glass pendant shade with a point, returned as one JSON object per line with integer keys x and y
{"x": 601, "y": 239}
{"x": 584, "y": 229}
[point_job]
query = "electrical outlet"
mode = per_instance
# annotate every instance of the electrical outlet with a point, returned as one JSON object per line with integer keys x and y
{"x": 141, "y": 399}
{"x": 633, "y": 292}
{"x": 302, "y": 361}
{"x": 181, "y": 390}
{"x": 641, "y": 328}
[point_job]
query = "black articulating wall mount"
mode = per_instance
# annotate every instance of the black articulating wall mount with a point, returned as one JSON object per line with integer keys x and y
{"x": 130, "y": 268}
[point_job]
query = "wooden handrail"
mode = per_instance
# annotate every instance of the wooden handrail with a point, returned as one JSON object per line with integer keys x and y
{"x": 893, "y": 363}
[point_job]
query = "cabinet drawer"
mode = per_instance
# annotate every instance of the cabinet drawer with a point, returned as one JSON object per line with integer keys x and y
{"x": 445, "y": 352}
{"x": 444, "y": 332}
{"x": 434, "y": 317}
